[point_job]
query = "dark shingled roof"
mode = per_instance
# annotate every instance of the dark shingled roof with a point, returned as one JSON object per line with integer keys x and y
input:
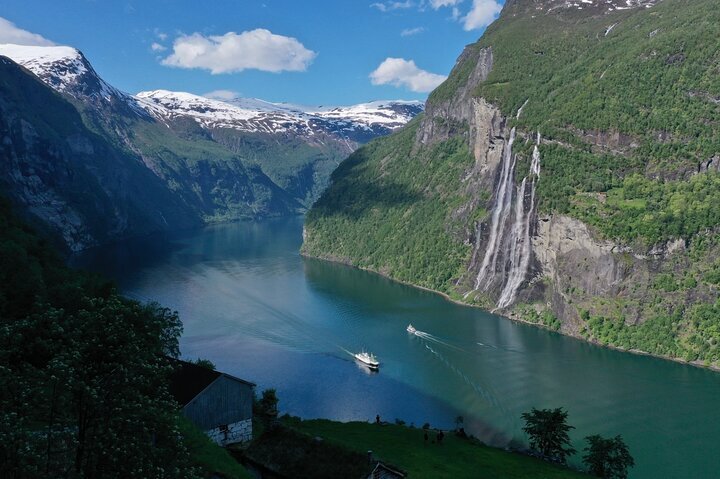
{"x": 188, "y": 380}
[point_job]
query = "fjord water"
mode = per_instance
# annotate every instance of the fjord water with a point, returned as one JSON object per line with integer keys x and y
{"x": 252, "y": 305}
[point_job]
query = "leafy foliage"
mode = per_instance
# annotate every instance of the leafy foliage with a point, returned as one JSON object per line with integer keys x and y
{"x": 548, "y": 432}
{"x": 607, "y": 458}
{"x": 267, "y": 405}
{"x": 84, "y": 372}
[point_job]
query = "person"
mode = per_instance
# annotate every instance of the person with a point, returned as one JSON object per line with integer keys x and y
{"x": 377, "y": 419}
{"x": 440, "y": 437}
{"x": 425, "y": 436}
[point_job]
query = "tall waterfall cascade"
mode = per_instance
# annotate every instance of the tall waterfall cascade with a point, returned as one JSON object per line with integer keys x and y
{"x": 509, "y": 247}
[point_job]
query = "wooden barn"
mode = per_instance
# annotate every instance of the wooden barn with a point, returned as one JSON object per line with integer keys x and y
{"x": 217, "y": 403}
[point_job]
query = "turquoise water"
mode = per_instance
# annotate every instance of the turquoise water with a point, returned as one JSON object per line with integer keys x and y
{"x": 258, "y": 310}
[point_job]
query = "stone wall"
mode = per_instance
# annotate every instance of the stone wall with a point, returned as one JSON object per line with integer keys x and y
{"x": 225, "y": 435}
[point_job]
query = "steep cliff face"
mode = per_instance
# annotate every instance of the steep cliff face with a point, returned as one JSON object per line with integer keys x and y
{"x": 452, "y": 110}
{"x": 575, "y": 205}
{"x": 50, "y": 169}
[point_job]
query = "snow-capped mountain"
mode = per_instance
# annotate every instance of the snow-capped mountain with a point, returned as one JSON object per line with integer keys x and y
{"x": 356, "y": 122}
{"x": 66, "y": 70}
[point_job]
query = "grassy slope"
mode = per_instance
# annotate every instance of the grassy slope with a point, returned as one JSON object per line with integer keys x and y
{"x": 207, "y": 456}
{"x": 654, "y": 79}
{"x": 457, "y": 458}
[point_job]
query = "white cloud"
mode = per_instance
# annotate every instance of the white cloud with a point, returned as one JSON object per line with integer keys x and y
{"x": 482, "y": 14}
{"x": 221, "y": 95}
{"x": 436, "y": 4}
{"x": 258, "y": 49}
{"x": 162, "y": 36}
{"x": 404, "y": 73}
{"x": 156, "y": 47}
{"x": 411, "y": 31}
{"x": 390, "y": 6}
{"x": 9, "y": 33}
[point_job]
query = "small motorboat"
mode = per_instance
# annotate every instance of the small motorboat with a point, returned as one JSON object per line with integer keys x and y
{"x": 411, "y": 329}
{"x": 368, "y": 359}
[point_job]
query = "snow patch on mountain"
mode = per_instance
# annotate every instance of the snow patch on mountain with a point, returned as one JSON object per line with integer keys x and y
{"x": 70, "y": 62}
{"x": 254, "y": 115}
{"x": 66, "y": 70}
{"x": 604, "y": 5}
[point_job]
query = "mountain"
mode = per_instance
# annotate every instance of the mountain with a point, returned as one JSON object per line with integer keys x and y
{"x": 566, "y": 173}
{"x": 298, "y": 147}
{"x": 357, "y": 123}
{"x": 74, "y": 183}
{"x": 195, "y": 160}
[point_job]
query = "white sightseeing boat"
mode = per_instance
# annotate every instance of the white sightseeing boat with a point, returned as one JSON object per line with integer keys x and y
{"x": 411, "y": 329}
{"x": 368, "y": 359}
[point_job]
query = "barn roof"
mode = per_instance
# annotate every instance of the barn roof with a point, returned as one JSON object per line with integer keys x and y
{"x": 188, "y": 380}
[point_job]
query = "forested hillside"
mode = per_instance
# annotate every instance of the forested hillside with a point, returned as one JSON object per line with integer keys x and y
{"x": 566, "y": 173}
{"x": 84, "y": 372}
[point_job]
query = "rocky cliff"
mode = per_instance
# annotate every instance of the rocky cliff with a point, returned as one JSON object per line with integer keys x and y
{"x": 559, "y": 189}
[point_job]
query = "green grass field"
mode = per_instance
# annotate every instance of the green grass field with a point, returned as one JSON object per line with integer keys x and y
{"x": 456, "y": 458}
{"x": 209, "y": 458}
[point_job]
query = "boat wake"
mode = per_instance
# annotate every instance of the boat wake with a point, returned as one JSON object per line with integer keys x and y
{"x": 435, "y": 339}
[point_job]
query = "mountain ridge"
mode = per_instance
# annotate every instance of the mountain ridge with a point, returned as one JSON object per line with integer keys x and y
{"x": 213, "y": 171}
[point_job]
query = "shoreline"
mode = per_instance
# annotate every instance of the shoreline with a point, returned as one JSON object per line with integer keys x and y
{"x": 512, "y": 317}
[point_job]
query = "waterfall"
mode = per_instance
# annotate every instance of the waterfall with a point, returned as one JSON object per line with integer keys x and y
{"x": 515, "y": 258}
{"x": 503, "y": 201}
{"x": 519, "y": 112}
{"x": 520, "y": 244}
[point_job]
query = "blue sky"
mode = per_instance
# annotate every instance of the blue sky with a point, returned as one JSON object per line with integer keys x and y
{"x": 318, "y": 52}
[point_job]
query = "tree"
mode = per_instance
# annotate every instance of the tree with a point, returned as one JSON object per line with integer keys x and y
{"x": 548, "y": 431}
{"x": 268, "y": 403}
{"x": 607, "y": 458}
{"x": 205, "y": 363}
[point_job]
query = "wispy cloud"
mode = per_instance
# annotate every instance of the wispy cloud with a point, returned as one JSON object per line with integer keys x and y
{"x": 437, "y": 4}
{"x": 482, "y": 14}
{"x": 10, "y": 33}
{"x": 400, "y": 72}
{"x": 411, "y": 31}
{"x": 156, "y": 47}
{"x": 221, "y": 95}
{"x": 258, "y": 49}
{"x": 390, "y": 6}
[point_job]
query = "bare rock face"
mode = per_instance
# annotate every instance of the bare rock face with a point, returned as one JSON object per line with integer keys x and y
{"x": 448, "y": 117}
{"x": 713, "y": 164}
{"x": 573, "y": 260}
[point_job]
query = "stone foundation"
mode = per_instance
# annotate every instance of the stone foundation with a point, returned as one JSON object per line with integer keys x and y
{"x": 240, "y": 431}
